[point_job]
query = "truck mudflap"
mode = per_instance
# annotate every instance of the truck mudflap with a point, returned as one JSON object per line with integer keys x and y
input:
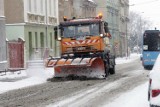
{"x": 88, "y": 67}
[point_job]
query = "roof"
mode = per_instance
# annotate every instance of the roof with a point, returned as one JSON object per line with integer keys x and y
{"x": 80, "y": 21}
{"x": 152, "y": 31}
{"x": 91, "y": 0}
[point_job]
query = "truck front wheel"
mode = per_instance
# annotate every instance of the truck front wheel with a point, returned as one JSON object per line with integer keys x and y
{"x": 112, "y": 70}
{"x": 106, "y": 70}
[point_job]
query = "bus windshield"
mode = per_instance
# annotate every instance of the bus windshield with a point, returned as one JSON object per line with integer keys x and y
{"x": 151, "y": 42}
{"x": 76, "y": 31}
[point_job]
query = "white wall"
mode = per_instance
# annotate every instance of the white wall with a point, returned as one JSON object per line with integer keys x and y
{"x": 1, "y": 8}
{"x": 38, "y": 7}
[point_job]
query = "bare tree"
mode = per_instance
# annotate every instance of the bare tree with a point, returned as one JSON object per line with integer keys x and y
{"x": 137, "y": 26}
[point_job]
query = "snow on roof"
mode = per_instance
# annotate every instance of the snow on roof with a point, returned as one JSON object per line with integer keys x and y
{"x": 91, "y": 1}
{"x": 1, "y": 62}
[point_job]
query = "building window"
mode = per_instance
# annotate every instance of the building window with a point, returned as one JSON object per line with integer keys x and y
{"x": 50, "y": 7}
{"x": 51, "y": 40}
{"x": 42, "y": 39}
{"x": 35, "y": 6}
{"x": 41, "y": 2}
{"x": 29, "y": 5}
{"x": 30, "y": 44}
{"x": 36, "y": 40}
{"x": 54, "y": 9}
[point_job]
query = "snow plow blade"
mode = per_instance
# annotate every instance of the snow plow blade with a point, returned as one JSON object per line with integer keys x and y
{"x": 88, "y": 67}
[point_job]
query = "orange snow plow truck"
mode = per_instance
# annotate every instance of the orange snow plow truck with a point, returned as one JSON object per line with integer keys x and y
{"x": 84, "y": 49}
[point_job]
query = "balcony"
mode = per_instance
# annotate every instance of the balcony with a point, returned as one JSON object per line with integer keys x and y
{"x": 34, "y": 18}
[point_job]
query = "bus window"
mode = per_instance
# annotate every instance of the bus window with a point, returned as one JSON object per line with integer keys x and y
{"x": 151, "y": 42}
{"x": 158, "y": 42}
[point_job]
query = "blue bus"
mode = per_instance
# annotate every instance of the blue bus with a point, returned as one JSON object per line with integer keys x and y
{"x": 151, "y": 48}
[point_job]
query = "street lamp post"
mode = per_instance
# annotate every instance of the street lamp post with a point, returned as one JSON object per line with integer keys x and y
{"x": 126, "y": 40}
{"x": 127, "y": 35}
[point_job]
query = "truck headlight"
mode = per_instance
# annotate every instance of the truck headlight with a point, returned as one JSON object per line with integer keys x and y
{"x": 101, "y": 35}
{"x": 59, "y": 38}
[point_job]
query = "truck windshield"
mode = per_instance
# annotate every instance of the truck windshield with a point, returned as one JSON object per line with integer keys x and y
{"x": 80, "y": 30}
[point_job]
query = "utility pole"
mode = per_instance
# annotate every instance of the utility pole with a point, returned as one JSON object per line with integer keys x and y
{"x": 127, "y": 35}
{"x": 126, "y": 39}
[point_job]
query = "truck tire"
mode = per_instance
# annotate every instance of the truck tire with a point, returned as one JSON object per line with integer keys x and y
{"x": 148, "y": 67}
{"x": 106, "y": 70}
{"x": 112, "y": 70}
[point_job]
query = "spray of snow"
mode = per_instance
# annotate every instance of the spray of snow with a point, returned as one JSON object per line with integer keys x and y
{"x": 34, "y": 75}
{"x": 36, "y": 68}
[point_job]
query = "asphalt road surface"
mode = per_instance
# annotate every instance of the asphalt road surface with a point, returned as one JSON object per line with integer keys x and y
{"x": 78, "y": 93}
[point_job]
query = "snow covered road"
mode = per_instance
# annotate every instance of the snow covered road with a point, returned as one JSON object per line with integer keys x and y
{"x": 111, "y": 92}
{"x": 118, "y": 89}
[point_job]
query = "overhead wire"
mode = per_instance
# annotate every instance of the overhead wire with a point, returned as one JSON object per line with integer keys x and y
{"x": 144, "y": 3}
{"x": 152, "y": 6}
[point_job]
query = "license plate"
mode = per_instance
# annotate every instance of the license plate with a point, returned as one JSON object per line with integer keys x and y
{"x": 81, "y": 48}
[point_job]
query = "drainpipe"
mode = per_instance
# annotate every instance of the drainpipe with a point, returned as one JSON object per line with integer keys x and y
{"x": 46, "y": 23}
{"x": 57, "y": 46}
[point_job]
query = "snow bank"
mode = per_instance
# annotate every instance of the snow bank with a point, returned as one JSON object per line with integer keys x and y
{"x": 135, "y": 98}
{"x": 7, "y": 86}
{"x": 129, "y": 59}
{"x": 1, "y": 62}
{"x": 13, "y": 75}
{"x": 34, "y": 75}
{"x": 36, "y": 68}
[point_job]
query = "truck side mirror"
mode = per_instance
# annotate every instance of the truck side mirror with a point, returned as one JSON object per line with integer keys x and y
{"x": 106, "y": 27}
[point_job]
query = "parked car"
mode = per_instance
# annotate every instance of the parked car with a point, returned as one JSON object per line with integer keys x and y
{"x": 154, "y": 85}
